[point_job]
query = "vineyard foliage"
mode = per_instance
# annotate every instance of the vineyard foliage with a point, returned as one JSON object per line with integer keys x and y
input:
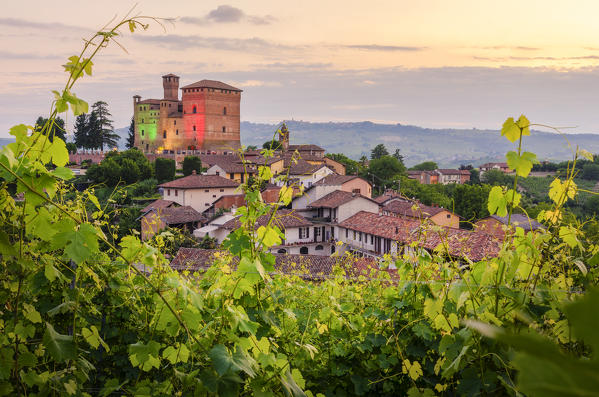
{"x": 79, "y": 316}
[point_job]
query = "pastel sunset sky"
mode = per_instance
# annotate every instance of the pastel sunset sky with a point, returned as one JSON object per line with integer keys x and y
{"x": 432, "y": 63}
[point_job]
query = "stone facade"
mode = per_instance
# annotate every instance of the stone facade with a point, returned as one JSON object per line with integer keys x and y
{"x": 206, "y": 118}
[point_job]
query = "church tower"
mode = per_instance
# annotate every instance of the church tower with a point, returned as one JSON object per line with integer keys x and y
{"x": 284, "y": 137}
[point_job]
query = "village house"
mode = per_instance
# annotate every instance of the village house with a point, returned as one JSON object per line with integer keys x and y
{"x": 337, "y": 206}
{"x": 156, "y": 219}
{"x": 494, "y": 166}
{"x": 402, "y": 207}
{"x": 497, "y": 225}
{"x": 330, "y": 183}
{"x": 301, "y": 235}
{"x": 236, "y": 171}
{"x": 446, "y": 176}
{"x": 424, "y": 177}
{"x": 302, "y": 173}
{"x": 198, "y": 191}
{"x": 374, "y": 235}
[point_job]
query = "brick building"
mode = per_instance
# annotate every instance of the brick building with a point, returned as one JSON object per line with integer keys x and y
{"x": 206, "y": 118}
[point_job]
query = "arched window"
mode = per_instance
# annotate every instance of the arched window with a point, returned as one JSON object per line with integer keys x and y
{"x": 304, "y": 250}
{"x": 194, "y": 127}
{"x": 282, "y": 251}
{"x": 319, "y": 248}
{"x": 195, "y": 109}
{"x": 225, "y": 111}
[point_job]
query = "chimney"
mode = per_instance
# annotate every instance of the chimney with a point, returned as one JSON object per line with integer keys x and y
{"x": 193, "y": 172}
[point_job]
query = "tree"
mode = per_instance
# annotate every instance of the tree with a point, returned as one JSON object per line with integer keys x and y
{"x": 474, "y": 176}
{"x": 590, "y": 171}
{"x": 272, "y": 145}
{"x": 386, "y": 170}
{"x": 425, "y": 166}
{"x": 127, "y": 167}
{"x": 71, "y": 147}
{"x": 379, "y": 151}
{"x": 251, "y": 147}
{"x": 497, "y": 177}
{"x": 131, "y": 136}
{"x": 102, "y": 129}
{"x": 164, "y": 169}
{"x": 82, "y": 139}
{"x": 470, "y": 201}
{"x": 54, "y": 128}
{"x": 190, "y": 164}
{"x": 397, "y": 154}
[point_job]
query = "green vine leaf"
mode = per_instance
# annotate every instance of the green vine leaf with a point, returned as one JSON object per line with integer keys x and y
{"x": 521, "y": 164}
{"x": 497, "y": 203}
{"x": 60, "y": 347}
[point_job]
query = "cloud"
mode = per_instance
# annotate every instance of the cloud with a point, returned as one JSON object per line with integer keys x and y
{"x": 539, "y": 58}
{"x": 229, "y": 14}
{"x": 23, "y": 23}
{"x": 377, "y": 47}
{"x": 7, "y": 55}
{"x": 181, "y": 42}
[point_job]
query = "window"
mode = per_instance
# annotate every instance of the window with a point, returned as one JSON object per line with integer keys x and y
{"x": 304, "y": 250}
{"x": 174, "y": 122}
{"x": 346, "y": 232}
{"x": 142, "y": 120}
{"x": 304, "y": 232}
{"x": 176, "y": 132}
{"x": 214, "y": 195}
{"x": 218, "y": 173}
{"x": 194, "y": 127}
{"x": 316, "y": 232}
{"x": 372, "y": 239}
{"x": 206, "y": 191}
{"x": 356, "y": 191}
{"x": 332, "y": 232}
{"x": 448, "y": 216}
{"x": 168, "y": 192}
{"x": 224, "y": 129}
{"x": 319, "y": 248}
{"x": 231, "y": 176}
{"x": 222, "y": 190}
{"x": 225, "y": 111}
{"x": 282, "y": 251}
{"x": 195, "y": 109}
{"x": 142, "y": 132}
{"x": 164, "y": 134}
{"x": 354, "y": 234}
{"x": 176, "y": 193}
{"x": 206, "y": 204}
{"x": 360, "y": 236}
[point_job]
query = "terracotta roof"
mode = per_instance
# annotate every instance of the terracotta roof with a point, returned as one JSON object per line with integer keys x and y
{"x": 302, "y": 167}
{"x": 236, "y": 167}
{"x": 491, "y": 165}
{"x": 311, "y": 267}
{"x": 199, "y": 182}
{"x": 158, "y": 204}
{"x": 307, "y": 147}
{"x": 149, "y": 101}
{"x": 387, "y": 196}
{"x": 411, "y": 209}
{"x": 446, "y": 171}
{"x": 179, "y": 215}
{"x": 212, "y": 84}
{"x": 336, "y": 180}
{"x": 520, "y": 220}
{"x": 335, "y": 199}
{"x": 461, "y": 243}
{"x": 283, "y": 219}
{"x": 208, "y": 160}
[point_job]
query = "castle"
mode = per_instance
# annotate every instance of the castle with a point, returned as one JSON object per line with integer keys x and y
{"x": 206, "y": 118}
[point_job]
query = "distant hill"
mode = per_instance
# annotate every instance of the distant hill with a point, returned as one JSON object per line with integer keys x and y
{"x": 448, "y": 147}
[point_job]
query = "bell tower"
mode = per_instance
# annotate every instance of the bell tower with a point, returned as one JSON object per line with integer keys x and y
{"x": 170, "y": 83}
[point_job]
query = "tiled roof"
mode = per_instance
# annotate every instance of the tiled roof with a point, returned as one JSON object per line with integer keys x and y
{"x": 208, "y": 160}
{"x": 335, "y": 199}
{"x": 453, "y": 172}
{"x": 149, "y": 101}
{"x": 283, "y": 219}
{"x": 179, "y": 215}
{"x": 387, "y": 196}
{"x": 491, "y": 165}
{"x": 336, "y": 180}
{"x": 461, "y": 243}
{"x": 199, "y": 182}
{"x": 411, "y": 209}
{"x": 302, "y": 167}
{"x": 311, "y": 267}
{"x": 307, "y": 147}
{"x": 212, "y": 84}
{"x": 236, "y": 167}
{"x": 158, "y": 204}
{"x": 520, "y": 220}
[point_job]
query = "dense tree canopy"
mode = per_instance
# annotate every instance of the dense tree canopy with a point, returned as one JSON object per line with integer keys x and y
{"x": 125, "y": 167}
{"x": 425, "y": 166}
{"x": 384, "y": 172}
{"x": 190, "y": 164}
{"x": 164, "y": 169}
{"x": 53, "y": 128}
{"x": 351, "y": 166}
{"x": 379, "y": 151}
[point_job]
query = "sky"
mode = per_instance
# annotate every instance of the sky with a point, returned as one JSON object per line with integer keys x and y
{"x": 431, "y": 63}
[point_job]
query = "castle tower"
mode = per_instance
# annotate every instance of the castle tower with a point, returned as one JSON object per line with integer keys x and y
{"x": 170, "y": 83}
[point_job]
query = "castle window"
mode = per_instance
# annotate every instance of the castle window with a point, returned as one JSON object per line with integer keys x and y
{"x": 194, "y": 127}
{"x": 195, "y": 110}
{"x": 224, "y": 129}
{"x": 175, "y": 122}
{"x": 164, "y": 134}
{"x": 225, "y": 111}
{"x": 176, "y": 132}
{"x": 142, "y": 132}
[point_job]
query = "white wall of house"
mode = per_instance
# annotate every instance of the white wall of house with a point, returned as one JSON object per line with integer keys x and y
{"x": 308, "y": 180}
{"x": 312, "y": 195}
{"x": 198, "y": 199}
{"x": 355, "y": 240}
{"x": 325, "y": 249}
{"x": 354, "y": 206}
